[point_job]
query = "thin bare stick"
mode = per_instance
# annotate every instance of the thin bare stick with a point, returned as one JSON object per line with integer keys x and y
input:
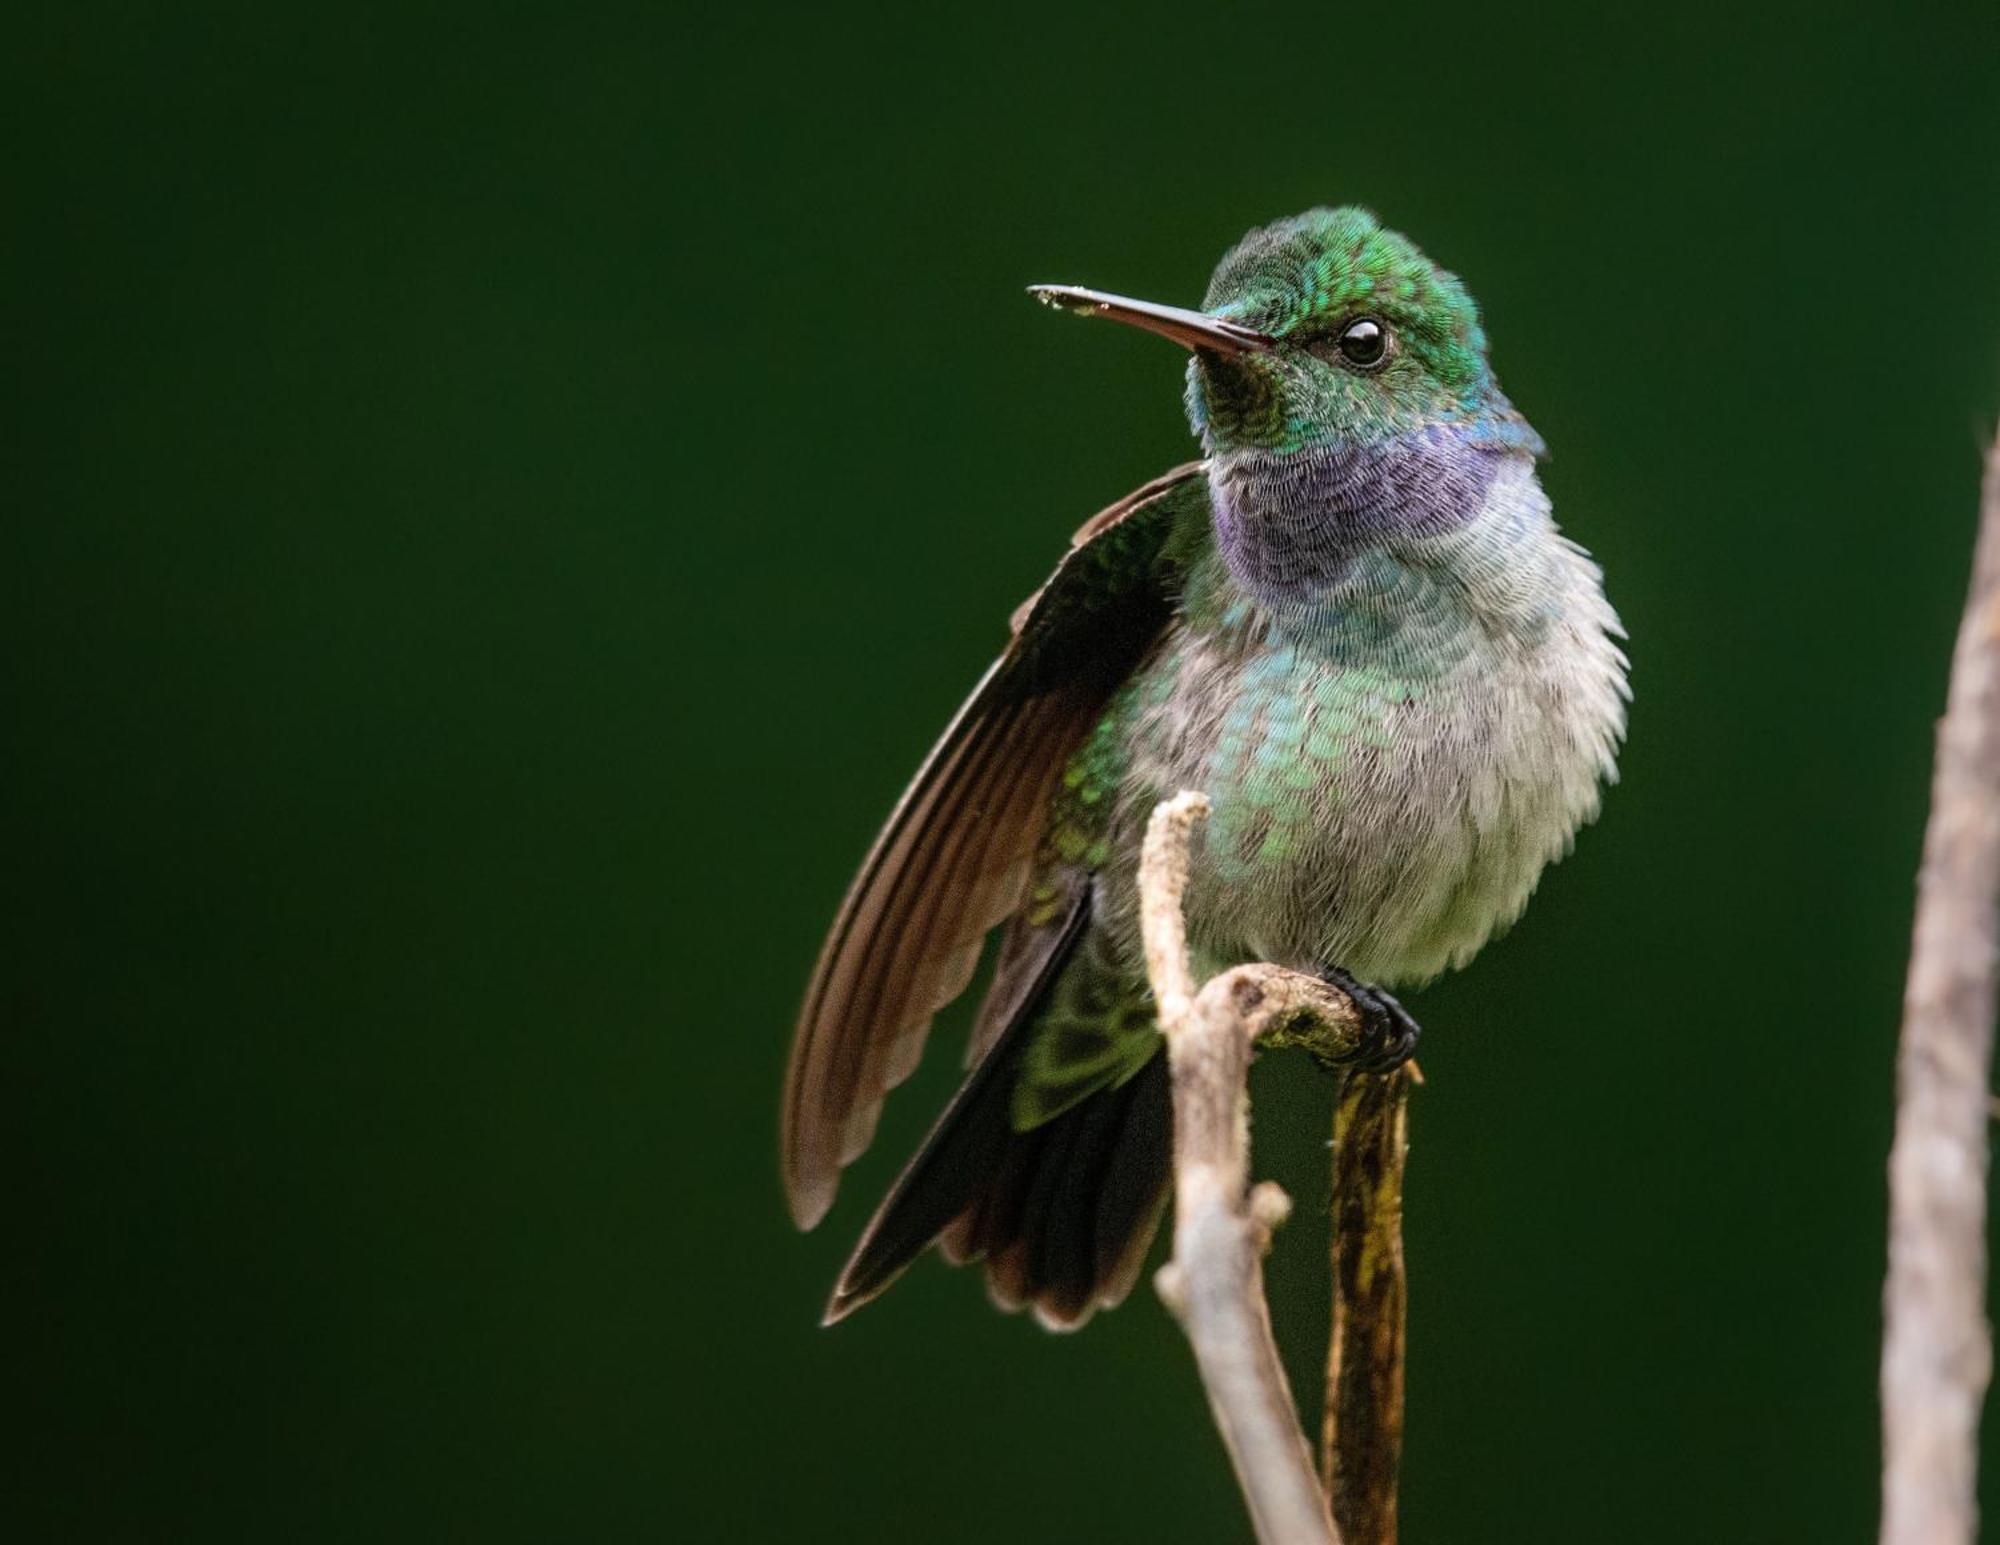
{"x": 1214, "y": 1284}
{"x": 1361, "y": 1444}
{"x": 1937, "y": 1348}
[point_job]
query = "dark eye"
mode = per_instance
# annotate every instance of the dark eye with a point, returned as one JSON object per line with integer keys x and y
{"x": 1363, "y": 343}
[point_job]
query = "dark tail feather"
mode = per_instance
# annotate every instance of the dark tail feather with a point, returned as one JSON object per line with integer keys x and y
{"x": 1062, "y": 1214}
{"x": 1066, "y": 1232}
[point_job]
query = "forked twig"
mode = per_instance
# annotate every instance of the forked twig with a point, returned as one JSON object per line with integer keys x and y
{"x": 1214, "y": 1283}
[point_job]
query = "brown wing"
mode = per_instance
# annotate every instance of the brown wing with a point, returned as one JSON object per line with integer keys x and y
{"x": 954, "y": 857}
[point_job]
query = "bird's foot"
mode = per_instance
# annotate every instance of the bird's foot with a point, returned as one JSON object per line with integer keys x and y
{"x": 1388, "y": 1034}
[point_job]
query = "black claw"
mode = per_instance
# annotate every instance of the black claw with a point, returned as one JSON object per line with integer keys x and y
{"x": 1388, "y": 1034}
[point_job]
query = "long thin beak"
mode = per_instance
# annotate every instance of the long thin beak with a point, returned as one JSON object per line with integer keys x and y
{"x": 1190, "y": 329}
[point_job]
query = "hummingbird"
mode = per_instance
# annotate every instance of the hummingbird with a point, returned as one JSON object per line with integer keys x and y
{"x": 1355, "y": 626}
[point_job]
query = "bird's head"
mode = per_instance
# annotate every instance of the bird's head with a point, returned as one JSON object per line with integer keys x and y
{"x": 1327, "y": 329}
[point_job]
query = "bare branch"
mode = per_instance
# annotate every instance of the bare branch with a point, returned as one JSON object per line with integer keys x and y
{"x": 1214, "y": 1284}
{"x": 1937, "y": 1347}
{"x": 1361, "y": 1444}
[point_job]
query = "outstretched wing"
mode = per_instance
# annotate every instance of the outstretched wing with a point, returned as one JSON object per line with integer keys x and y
{"x": 954, "y": 857}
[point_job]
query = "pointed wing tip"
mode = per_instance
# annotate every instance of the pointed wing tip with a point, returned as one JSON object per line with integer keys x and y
{"x": 849, "y": 1295}
{"x": 838, "y": 1308}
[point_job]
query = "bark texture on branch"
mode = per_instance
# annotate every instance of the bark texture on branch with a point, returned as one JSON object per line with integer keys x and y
{"x": 1361, "y": 1444}
{"x": 1937, "y": 1345}
{"x": 1214, "y": 1284}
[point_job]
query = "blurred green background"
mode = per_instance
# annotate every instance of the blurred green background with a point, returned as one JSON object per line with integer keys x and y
{"x": 498, "y": 499}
